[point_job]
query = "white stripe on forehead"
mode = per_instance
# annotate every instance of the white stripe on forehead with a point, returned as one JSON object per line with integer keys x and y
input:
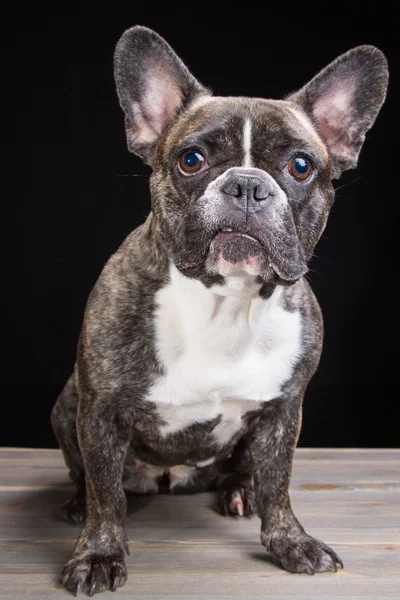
{"x": 308, "y": 126}
{"x": 247, "y": 143}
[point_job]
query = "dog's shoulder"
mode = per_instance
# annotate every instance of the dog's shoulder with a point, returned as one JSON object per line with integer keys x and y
{"x": 117, "y": 328}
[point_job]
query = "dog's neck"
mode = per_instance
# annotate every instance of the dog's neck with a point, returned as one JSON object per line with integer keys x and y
{"x": 241, "y": 286}
{"x": 237, "y": 298}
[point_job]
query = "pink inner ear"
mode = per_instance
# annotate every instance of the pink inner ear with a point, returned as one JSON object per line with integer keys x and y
{"x": 159, "y": 105}
{"x": 333, "y": 116}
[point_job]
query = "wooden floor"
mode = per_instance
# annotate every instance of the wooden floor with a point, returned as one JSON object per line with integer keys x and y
{"x": 182, "y": 549}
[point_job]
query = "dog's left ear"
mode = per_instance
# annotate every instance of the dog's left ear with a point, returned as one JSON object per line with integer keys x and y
{"x": 343, "y": 101}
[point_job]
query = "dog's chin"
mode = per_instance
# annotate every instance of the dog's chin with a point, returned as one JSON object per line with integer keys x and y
{"x": 242, "y": 256}
{"x": 233, "y": 253}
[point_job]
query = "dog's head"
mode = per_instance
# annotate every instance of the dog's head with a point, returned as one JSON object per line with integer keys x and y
{"x": 243, "y": 185}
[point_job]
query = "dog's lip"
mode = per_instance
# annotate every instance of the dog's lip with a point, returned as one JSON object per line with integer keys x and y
{"x": 231, "y": 233}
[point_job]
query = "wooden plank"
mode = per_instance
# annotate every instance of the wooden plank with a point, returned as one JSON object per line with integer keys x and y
{"x": 218, "y": 586}
{"x": 32, "y": 512}
{"x": 308, "y": 473}
{"x": 181, "y": 548}
{"x": 333, "y": 454}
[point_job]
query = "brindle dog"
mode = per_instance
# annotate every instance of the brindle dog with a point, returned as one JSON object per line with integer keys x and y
{"x": 201, "y": 333}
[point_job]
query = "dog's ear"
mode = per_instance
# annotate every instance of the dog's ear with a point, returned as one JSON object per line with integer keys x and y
{"x": 343, "y": 101}
{"x": 153, "y": 85}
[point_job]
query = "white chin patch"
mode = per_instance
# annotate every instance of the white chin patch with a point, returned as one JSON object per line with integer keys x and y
{"x": 248, "y": 266}
{"x": 234, "y": 254}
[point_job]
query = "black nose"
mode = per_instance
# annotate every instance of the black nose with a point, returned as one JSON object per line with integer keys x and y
{"x": 246, "y": 188}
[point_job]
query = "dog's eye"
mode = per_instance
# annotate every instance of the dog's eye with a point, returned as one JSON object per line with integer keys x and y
{"x": 191, "y": 162}
{"x": 300, "y": 168}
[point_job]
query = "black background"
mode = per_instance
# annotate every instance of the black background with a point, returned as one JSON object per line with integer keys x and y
{"x": 71, "y": 193}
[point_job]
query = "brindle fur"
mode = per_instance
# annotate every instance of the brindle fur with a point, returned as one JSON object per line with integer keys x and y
{"x": 105, "y": 426}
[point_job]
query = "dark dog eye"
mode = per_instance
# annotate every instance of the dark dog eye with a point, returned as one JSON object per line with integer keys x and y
{"x": 191, "y": 162}
{"x": 299, "y": 168}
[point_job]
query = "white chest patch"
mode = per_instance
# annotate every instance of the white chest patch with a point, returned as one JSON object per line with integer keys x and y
{"x": 222, "y": 355}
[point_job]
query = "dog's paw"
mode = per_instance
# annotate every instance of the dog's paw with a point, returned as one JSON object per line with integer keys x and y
{"x": 298, "y": 552}
{"x": 74, "y": 509}
{"x": 236, "y": 501}
{"x": 94, "y": 573}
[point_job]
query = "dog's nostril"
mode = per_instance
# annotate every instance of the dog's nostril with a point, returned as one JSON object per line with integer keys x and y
{"x": 247, "y": 188}
{"x": 232, "y": 188}
{"x": 260, "y": 192}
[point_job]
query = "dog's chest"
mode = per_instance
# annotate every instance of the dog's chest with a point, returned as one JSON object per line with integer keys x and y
{"x": 222, "y": 356}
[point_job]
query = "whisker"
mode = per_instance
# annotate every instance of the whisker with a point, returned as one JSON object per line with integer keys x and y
{"x": 305, "y": 228}
{"x": 132, "y": 175}
{"x": 346, "y": 184}
{"x": 314, "y": 271}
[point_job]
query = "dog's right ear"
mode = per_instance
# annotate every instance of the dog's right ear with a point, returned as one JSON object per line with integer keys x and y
{"x": 153, "y": 86}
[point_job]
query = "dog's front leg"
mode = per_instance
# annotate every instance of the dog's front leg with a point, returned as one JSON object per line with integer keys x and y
{"x": 98, "y": 561}
{"x": 272, "y": 447}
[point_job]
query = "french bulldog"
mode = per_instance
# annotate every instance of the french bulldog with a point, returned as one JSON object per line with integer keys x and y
{"x": 202, "y": 333}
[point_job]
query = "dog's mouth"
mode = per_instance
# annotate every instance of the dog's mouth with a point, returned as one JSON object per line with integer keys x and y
{"x": 236, "y": 250}
{"x": 233, "y": 250}
{"x": 230, "y": 233}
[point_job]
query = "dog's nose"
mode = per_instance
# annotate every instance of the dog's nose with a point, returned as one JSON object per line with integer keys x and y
{"x": 246, "y": 188}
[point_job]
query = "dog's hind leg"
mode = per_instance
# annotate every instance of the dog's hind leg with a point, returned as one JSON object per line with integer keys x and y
{"x": 230, "y": 477}
{"x": 235, "y": 491}
{"x": 63, "y": 420}
{"x": 236, "y": 495}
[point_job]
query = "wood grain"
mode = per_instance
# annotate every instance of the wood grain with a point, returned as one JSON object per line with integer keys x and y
{"x": 182, "y": 549}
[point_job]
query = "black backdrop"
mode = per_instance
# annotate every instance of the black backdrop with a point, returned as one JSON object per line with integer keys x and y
{"x": 71, "y": 193}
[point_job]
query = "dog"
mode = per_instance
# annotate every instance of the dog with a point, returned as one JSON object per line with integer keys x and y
{"x": 202, "y": 332}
